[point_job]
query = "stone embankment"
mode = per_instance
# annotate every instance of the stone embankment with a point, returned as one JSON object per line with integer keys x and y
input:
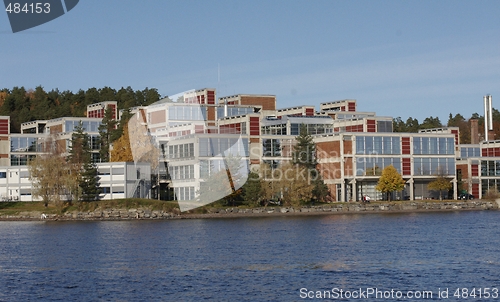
{"x": 334, "y": 208}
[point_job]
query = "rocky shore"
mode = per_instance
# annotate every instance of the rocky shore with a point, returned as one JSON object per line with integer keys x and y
{"x": 334, "y": 208}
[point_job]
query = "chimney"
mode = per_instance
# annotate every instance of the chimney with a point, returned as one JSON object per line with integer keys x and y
{"x": 488, "y": 119}
{"x": 474, "y": 131}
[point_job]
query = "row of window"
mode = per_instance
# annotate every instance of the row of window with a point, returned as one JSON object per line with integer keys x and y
{"x": 312, "y": 129}
{"x": 279, "y": 129}
{"x": 433, "y": 145}
{"x": 371, "y": 166}
{"x": 24, "y": 144}
{"x": 466, "y": 152}
{"x": 187, "y": 113}
{"x": 490, "y": 168}
{"x": 234, "y": 111}
{"x": 20, "y": 160}
{"x": 181, "y": 151}
{"x": 226, "y": 146}
{"x": 184, "y": 193}
{"x": 433, "y": 166}
{"x": 378, "y": 145}
{"x": 210, "y": 167}
{"x": 88, "y": 126}
{"x": 277, "y": 147}
{"x": 181, "y": 172}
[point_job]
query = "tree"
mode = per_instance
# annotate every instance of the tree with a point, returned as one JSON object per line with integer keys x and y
{"x": 121, "y": 148}
{"x": 320, "y": 190}
{"x": 431, "y": 122}
{"x": 107, "y": 134}
{"x": 89, "y": 182}
{"x": 295, "y": 184}
{"x": 390, "y": 181}
{"x": 82, "y": 166}
{"x": 304, "y": 155}
{"x": 305, "y": 150}
{"x": 252, "y": 189}
{"x": 440, "y": 184}
{"x": 50, "y": 175}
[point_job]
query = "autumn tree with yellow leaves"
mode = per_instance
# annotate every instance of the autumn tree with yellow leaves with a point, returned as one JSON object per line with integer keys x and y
{"x": 390, "y": 181}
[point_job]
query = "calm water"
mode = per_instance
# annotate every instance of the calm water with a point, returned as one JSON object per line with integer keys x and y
{"x": 248, "y": 259}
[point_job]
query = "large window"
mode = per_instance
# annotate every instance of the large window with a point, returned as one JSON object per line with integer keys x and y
{"x": 88, "y": 126}
{"x": 490, "y": 168}
{"x": 373, "y": 166}
{"x": 187, "y": 113}
{"x": 378, "y": 145}
{"x": 184, "y": 193}
{"x": 234, "y": 111}
{"x": 466, "y": 152}
{"x": 433, "y": 145}
{"x": 210, "y": 167}
{"x": 279, "y": 129}
{"x": 271, "y": 147}
{"x": 185, "y": 172}
{"x": 24, "y": 144}
{"x": 312, "y": 129}
{"x": 181, "y": 151}
{"x": 20, "y": 160}
{"x": 433, "y": 166}
{"x": 226, "y": 146}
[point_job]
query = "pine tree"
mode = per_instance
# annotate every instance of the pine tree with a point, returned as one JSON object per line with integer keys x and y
{"x": 304, "y": 152}
{"x": 304, "y": 155}
{"x": 89, "y": 182}
{"x": 107, "y": 134}
{"x": 252, "y": 189}
{"x": 83, "y": 169}
{"x": 390, "y": 181}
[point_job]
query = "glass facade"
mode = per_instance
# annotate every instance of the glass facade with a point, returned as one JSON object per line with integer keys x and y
{"x": 433, "y": 145}
{"x": 466, "y": 152}
{"x": 209, "y": 167}
{"x": 88, "y": 126}
{"x": 279, "y": 129}
{"x": 218, "y": 146}
{"x": 233, "y": 111}
{"x": 181, "y": 172}
{"x": 378, "y": 145}
{"x": 312, "y": 129}
{"x": 433, "y": 166}
{"x": 187, "y": 113}
{"x": 271, "y": 147}
{"x": 490, "y": 168}
{"x": 489, "y": 184}
{"x": 181, "y": 151}
{"x": 24, "y": 144}
{"x": 184, "y": 193}
{"x": 384, "y": 126}
{"x": 20, "y": 160}
{"x": 372, "y": 166}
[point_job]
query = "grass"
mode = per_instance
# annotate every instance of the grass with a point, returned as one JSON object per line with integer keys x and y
{"x": 14, "y": 208}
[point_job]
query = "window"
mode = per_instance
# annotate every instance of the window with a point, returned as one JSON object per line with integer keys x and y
{"x": 433, "y": 166}
{"x": 433, "y": 145}
{"x": 378, "y": 145}
{"x": 119, "y": 189}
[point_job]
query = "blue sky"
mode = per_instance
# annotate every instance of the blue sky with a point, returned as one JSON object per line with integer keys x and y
{"x": 397, "y": 58}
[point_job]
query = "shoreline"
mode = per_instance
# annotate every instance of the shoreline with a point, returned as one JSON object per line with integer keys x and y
{"x": 120, "y": 214}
